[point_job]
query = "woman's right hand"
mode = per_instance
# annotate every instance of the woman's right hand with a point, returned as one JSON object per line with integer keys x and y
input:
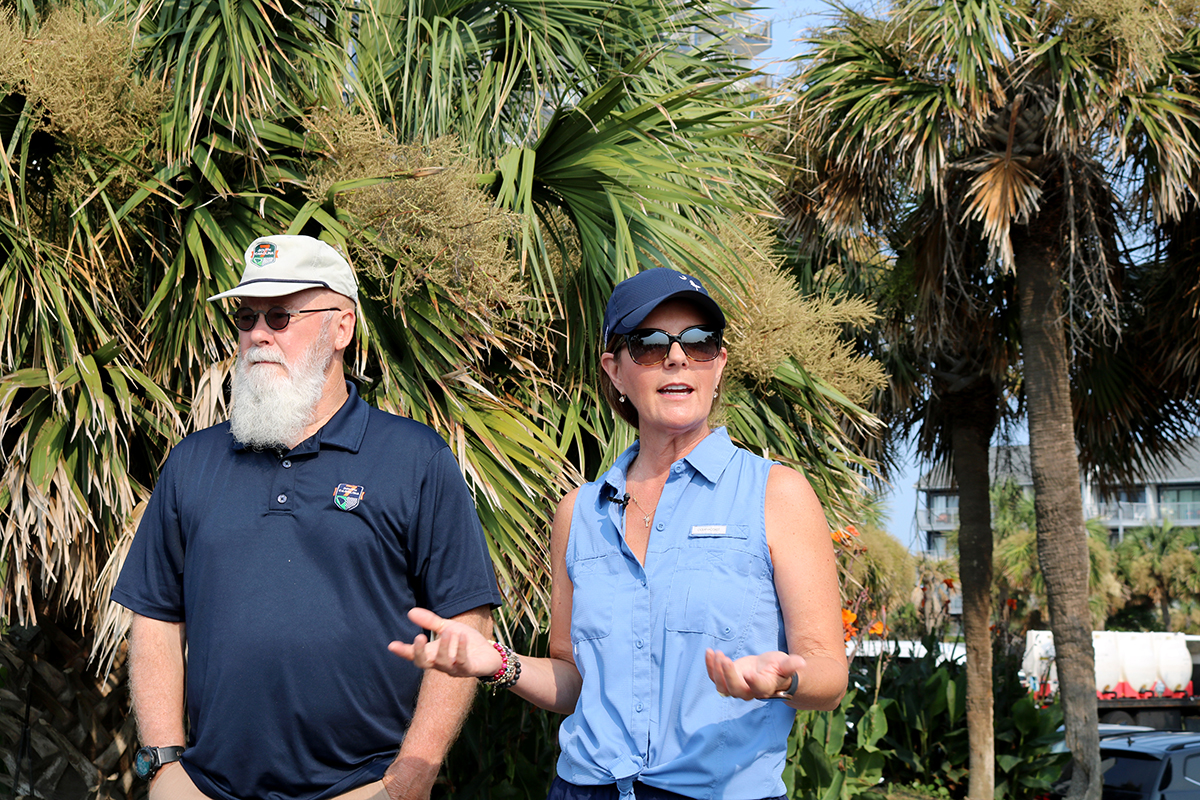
{"x": 458, "y": 650}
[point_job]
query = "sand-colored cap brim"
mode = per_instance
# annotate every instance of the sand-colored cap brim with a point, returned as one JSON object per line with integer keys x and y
{"x": 267, "y": 287}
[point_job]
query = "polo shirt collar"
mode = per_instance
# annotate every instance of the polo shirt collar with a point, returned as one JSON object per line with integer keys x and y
{"x": 709, "y": 458}
{"x": 344, "y": 430}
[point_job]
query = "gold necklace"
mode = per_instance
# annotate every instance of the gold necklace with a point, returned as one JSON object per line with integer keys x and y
{"x": 645, "y": 516}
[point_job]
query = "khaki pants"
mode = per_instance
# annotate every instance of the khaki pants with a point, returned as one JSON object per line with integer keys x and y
{"x": 173, "y": 783}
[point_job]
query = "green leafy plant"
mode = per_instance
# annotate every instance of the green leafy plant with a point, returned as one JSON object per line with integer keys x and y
{"x": 823, "y": 762}
{"x": 905, "y": 721}
{"x": 1026, "y": 735}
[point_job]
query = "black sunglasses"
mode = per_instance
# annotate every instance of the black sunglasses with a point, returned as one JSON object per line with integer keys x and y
{"x": 650, "y": 346}
{"x": 277, "y": 318}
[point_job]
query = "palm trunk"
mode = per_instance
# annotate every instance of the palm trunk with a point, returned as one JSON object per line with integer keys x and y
{"x": 1061, "y": 536}
{"x": 971, "y": 425}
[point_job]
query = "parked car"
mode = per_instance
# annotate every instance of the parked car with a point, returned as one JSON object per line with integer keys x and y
{"x": 1106, "y": 729}
{"x": 1151, "y": 765}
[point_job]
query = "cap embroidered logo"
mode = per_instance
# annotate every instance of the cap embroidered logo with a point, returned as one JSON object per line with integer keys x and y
{"x": 347, "y": 496}
{"x": 264, "y": 253}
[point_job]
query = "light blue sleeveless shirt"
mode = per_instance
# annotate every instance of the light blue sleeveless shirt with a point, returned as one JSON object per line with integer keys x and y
{"x": 648, "y": 710}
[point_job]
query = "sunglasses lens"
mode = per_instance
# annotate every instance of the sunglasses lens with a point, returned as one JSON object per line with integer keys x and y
{"x": 244, "y": 319}
{"x": 648, "y": 347}
{"x": 701, "y": 344}
{"x": 278, "y": 318}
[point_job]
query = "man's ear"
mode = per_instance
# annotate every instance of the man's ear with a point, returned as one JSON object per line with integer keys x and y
{"x": 343, "y": 332}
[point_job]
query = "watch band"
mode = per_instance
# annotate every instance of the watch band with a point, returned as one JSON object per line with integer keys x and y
{"x": 148, "y": 760}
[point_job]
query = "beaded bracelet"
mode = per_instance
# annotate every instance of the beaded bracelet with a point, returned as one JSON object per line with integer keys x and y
{"x": 509, "y": 672}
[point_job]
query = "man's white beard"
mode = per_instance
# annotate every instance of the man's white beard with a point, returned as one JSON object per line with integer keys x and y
{"x": 272, "y": 410}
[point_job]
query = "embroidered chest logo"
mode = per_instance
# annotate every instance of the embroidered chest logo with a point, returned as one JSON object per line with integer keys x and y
{"x": 347, "y": 496}
{"x": 264, "y": 253}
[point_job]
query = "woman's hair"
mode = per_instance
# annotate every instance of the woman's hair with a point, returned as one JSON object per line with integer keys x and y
{"x": 625, "y": 410}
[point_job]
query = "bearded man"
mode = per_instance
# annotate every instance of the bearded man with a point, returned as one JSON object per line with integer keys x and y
{"x": 278, "y": 557}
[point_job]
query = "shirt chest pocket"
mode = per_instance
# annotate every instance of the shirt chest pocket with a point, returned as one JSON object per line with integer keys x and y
{"x": 595, "y": 586}
{"x": 716, "y": 585}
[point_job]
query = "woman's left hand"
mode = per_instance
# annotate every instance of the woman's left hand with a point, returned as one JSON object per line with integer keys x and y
{"x": 753, "y": 677}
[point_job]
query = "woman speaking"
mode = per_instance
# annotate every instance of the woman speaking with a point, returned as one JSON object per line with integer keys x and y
{"x": 694, "y": 598}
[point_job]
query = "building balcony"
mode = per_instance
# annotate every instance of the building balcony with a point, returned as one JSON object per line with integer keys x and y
{"x": 942, "y": 519}
{"x": 1181, "y": 513}
{"x": 1132, "y": 515}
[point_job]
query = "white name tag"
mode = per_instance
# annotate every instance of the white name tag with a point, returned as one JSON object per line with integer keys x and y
{"x": 708, "y": 530}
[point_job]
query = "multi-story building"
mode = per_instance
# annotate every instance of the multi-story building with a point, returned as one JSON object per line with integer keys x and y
{"x": 1169, "y": 493}
{"x": 748, "y": 35}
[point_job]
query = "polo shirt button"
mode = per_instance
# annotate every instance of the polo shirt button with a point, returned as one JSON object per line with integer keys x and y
{"x": 287, "y": 464}
{"x": 677, "y": 468}
{"x": 281, "y": 499}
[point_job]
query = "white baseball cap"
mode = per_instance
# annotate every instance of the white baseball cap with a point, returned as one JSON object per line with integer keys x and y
{"x": 280, "y": 265}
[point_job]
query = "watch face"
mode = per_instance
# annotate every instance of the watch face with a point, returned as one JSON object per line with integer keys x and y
{"x": 145, "y": 763}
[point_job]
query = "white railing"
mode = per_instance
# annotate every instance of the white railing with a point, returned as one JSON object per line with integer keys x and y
{"x": 1120, "y": 512}
{"x": 1181, "y": 513}
{"x": 942, "y": 519}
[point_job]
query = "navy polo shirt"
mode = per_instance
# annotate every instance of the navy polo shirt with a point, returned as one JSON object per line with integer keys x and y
{"x": 292, "y": 573}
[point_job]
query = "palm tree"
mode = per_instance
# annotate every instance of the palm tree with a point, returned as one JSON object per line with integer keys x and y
{"x": 1007, "y": 115}
{"x": 1160, "y": 562}
{"x": 491, "y": 170}
{"x": 1018, "y": 574}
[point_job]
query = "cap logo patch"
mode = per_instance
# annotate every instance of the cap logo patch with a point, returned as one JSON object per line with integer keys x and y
{"x": 347, "y": 496}
{"x": 264, "y": 253}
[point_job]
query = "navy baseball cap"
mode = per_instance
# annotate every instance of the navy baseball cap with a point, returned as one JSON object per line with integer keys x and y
{"x": 634, "y": 299}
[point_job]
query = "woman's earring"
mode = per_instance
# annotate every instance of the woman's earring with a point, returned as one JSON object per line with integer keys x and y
{"x": 715, "y": 393}
{"x": 622, "y": 398}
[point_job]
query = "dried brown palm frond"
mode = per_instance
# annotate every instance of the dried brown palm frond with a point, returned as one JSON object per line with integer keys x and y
{"x": 81, "y": 740}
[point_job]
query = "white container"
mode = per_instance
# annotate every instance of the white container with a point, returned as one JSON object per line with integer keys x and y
{"x": 1108, "y": 662}
{"x": 1038, "y": 662}
{"x": 1174, "y": 660}
{"x": 1139, "y": 666}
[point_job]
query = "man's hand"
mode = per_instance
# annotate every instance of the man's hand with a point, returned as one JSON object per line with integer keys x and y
{"x": 410, "y": 778}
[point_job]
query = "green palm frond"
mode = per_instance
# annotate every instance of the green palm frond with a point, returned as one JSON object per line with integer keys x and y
{"x": 598, "y": 145}
{"x": 228, "y": 63}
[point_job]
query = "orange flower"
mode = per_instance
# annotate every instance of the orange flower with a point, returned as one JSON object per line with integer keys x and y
{"x": 949, "y": 582}
{"x": 853, "y": 531}
{"x": 876, "y": 628}
{"x": 848, "y": 629}
{"x": 1012, "y": 603}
